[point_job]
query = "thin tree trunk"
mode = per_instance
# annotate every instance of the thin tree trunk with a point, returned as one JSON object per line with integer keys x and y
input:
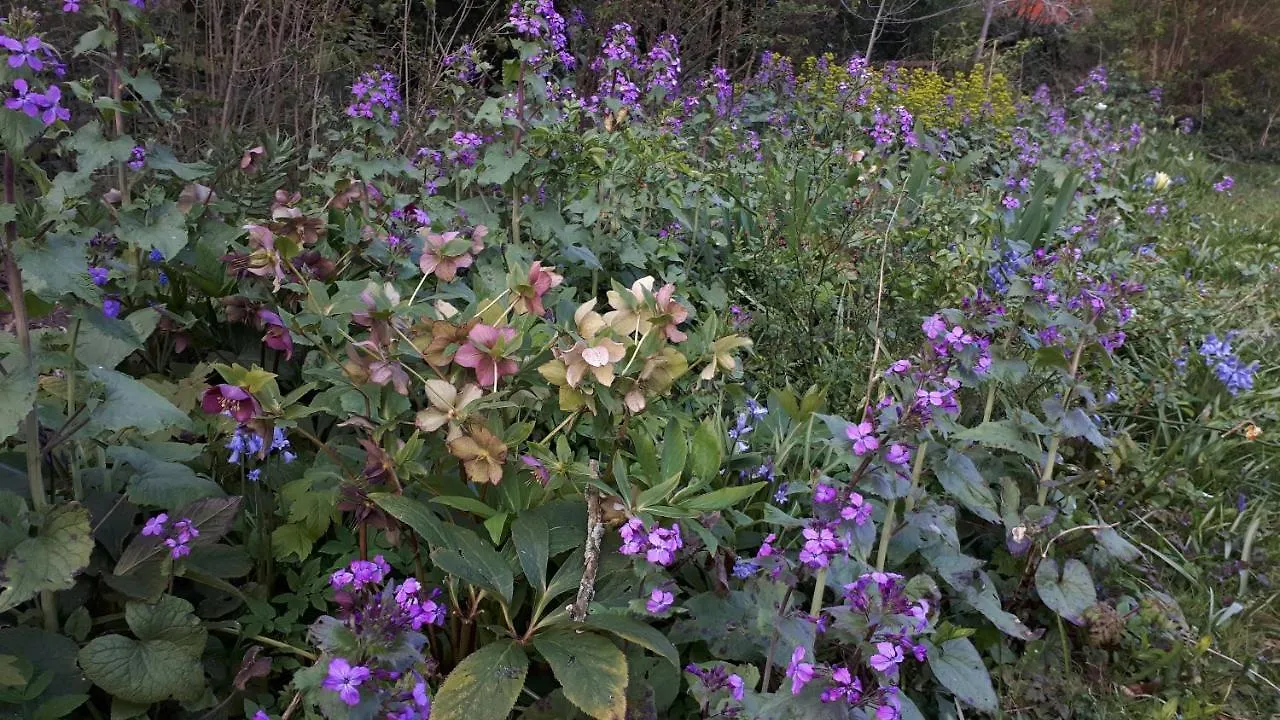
{"x": 988, "y": 11}
{"x": 875, "y": 27}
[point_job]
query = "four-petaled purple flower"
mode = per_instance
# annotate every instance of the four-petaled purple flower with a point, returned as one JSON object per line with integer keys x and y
{"x": 886, "y": 658}
{"x": 863, "y": 436}
{"x": 799, "y": 671}
{"x": 659, "y": 601}
{"x": 345, "y": 679}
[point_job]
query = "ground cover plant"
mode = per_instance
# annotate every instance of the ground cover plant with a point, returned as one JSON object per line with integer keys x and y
{"x": 602, "y": 389}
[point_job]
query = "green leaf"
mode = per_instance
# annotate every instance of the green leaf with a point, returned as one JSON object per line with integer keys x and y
{"x": 142, "y": 672}
{"x": 532, "y": 540}
{"x": 961, "y": 479}
{"x": 161, "y": 158}
{"x": 708, "y": 451}
{"x": 1115, "y": 545}
{"x": 54, "y": 268}
{"x": 590, "y": 668}
{"x": 484, "y": 686}
{"x": 638, "y": 632}
{"x": 959, "y": 668}
{"x": 675, "y": 449}
{"x": 499, "y": 167}
{"x": 10, "y": 674}
{"x": 1076, "y": 423}
{"x": 162, "y": 484}
{"x": 164, "y": 229}
{"x": 105, "y": 342}
{"x": 93, "y": 40}
{"x": 58, "y": 706}
{"x": 1002, "y": 435}
{"x": 144, "y": 84}
{"x": 975, "y": 586}
{"x": 171, "y": 619}
{"x": 723, "y": 498}
{"x": 415, "y": 515}
{"x": 130, "y": 404}
{"x": 17, "y": 397}
{"x": 568, "y": 576}
{"x": 50, "y": 560}
{"x": 462, "y": 502}
{"x": 474, "y": 560}
{"x": 212, "y": 517}
{"x": 1069, "y": 593}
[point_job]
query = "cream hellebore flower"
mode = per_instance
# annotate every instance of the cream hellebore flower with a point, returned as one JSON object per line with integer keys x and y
{"x": 633, "y": 314}
{"x": 722, "y": 355}
{"x": 1161, "y": 181}
{"x": 448, "y": 405}
{"x": 482, "y": 455}
{"x": 593, "y": 354}
{"x": 660, "y": 371}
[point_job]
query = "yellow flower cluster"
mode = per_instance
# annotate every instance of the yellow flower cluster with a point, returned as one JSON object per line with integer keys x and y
{"x": 934, "y": 99}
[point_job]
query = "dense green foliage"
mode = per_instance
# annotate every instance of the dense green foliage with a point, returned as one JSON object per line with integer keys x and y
{"x": 836, "y": 392}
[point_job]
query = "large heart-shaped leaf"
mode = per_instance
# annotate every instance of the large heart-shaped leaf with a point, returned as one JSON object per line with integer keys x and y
{"x": 484, "y": 686}
{"x": 142, "y": 671}
{"x": 590, "y": 668}
{"x": 17, "y": 396}
{"x": 130, "y": 404}
{"x": 158, "y": 483}
{"x": 51, "y": 559}
{"x": 1069, "y": 592}
{"x": 958, "y": 667}
{"x": 212, "y": 517}
{"x": 961, "y": 479}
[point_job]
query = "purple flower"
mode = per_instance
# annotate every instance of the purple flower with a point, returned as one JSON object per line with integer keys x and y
{"x": 177, "y": 549}
{"x": 659, "y": 601}
{"x": 737, "y": 689}
{"x": 887, "y": 658}
{"x": 846, "y": 687}
{"x": 933, "y": 326}
{"x": 345, "y": 679}
{"x": 232, "y": 400}
{"x": 900, "y": 367}
{"x": 155, "y": 526}
{"x": 73, "y": 6}
{"x": 99, "y": 275}
{"x": 897, "y": 455}
{"x": 138, "y": 159}
{"x": 820, "y": 542}
{"x": 1011, "y": 202}
{"x": 863, "y": 437}
{"x": 663, "y": 544}
{"x": 185, "y": 531}
{"x": 857, "y": 509}
{"x": 799, "y": 671}
{"x": 111, "y": 307}
{"x": 824, "y": 494}
{"x": 1226, "y": 183}
{"x": 743, "y": 569}
{"x": 24, "y": 52}
{"x": 261, "y": 714}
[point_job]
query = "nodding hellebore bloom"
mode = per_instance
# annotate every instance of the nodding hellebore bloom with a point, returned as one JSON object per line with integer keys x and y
{"x": 230, "y": 400}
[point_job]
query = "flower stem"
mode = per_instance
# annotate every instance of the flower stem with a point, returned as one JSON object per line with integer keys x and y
{"x": 1051, "y": 458}
{"x": 819, "y": 589}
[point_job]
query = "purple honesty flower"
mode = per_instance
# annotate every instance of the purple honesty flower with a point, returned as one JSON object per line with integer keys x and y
{"x": 155, "y": 526}
{"x": 845, "y": 687}
{"x": 863, "y": 436}
{"x": 743, "y": 569}
{"x": 824, "y": 494}
{"x": 345, "y": 679}
{"x": 933, "y": 326}
{"x": 900, "y": 367}
{"x": 737, "y": 688}
{"x": 887, "y": 658}
{"x": 857, "y": 509}
{"x": 1011, "y": 202}
{"x": 799, "y": 671}
{"x": 898, "y": 455}
{"x": 261, "y": 714}
{"x": 663, "y": 544}
{"x": 659, "y": 601}
{"x": 24, "y": 52}
{"x": 138, "y": 157}
{"x": 820, "y": 542}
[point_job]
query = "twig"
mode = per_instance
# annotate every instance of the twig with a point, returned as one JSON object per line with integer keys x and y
{"x": 293, "y": 707}
{"x": 1101, "y": 526}
{"x": 595, "y": 533}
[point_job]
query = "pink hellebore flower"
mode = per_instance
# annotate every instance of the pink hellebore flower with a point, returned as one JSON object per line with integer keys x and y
{"x": 541, "y": 279}
{"x": 230, "y": 400}
{"x": 444, "y": 254}
{"x": 484, "y": 353}
{"x": 278, "y": 337}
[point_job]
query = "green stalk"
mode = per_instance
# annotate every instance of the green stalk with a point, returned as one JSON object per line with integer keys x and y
{"x": 819, "y": 589}
{"x": 77, "y": 483}
{"x": 31, "y": 423}
{"x": 886, "y": 529}
{"x": 1046, "y": 476}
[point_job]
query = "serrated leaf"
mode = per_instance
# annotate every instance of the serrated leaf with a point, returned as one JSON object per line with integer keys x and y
{"x": 17, "y": 397}
{"x": 590, "y": 668}
{"x": 959, "y": 668}
{"x": 56, "y": 267}
{"x": 638, "y": 632}
{"x": 142, "y": 672}
{"x": 961, "y": 479}
{"x": 723, "y": 498}
{"x": 500, "y": 167}
{"x": 1069, "y": 593}
{"x": 171, "y": 619}
{"x": 484, "y": 686}
{"x": 105, "y": 342}
{"x": 164, "y": 229}
{"x": 130, "y": 404}
{"x": 1002, "y": 435}
{"x": 51, "y": 560}
{"x": 532, "y": 540}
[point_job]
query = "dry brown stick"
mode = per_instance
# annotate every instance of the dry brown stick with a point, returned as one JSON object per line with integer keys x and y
{"x": 595, "y": 533}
